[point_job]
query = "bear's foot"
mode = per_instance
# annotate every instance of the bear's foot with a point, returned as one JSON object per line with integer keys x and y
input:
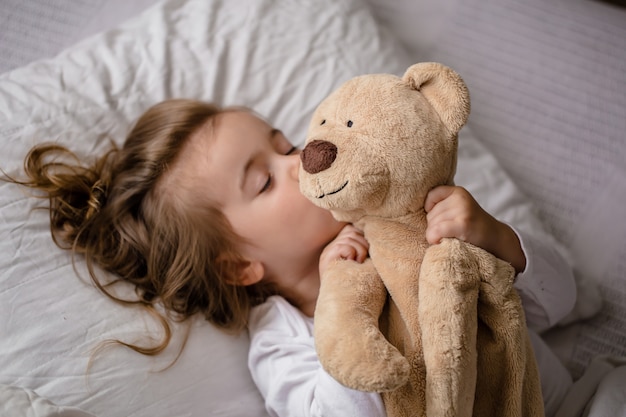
{"x": 362, "y": 359}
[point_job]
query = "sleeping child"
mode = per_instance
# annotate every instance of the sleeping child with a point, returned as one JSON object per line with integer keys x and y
{"x": 201, "y": 211}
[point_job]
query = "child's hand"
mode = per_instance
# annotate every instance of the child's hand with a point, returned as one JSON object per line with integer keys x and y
{"x": 453, "y": 212}
{"x": 349, "y": 244}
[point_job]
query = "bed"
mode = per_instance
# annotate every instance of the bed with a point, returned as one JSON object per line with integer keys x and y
{"x": 548, "y": 85}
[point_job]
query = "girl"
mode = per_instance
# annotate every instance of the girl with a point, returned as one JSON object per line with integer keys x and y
{"x": 201, "y": 211}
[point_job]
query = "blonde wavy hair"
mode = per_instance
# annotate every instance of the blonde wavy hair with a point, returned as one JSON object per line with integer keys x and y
{"x": 118, "y": 214}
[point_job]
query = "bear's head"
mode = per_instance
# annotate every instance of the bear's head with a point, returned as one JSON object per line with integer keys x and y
{"x": 379, "y": 143}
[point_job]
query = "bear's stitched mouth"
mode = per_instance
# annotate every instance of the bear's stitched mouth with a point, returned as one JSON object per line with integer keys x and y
{"x": 334, "y": 192}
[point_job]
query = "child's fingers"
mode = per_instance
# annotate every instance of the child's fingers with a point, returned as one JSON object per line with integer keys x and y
{"x": 361, "y": 251}
{"x": 344, "y": 251}
{"x": 447, "y": 228}
{"x": 434, "y": 233}
{"x": 351, "y": 244}
{"x": 355, "y": 246}
{"x": 350, "y": 230}
{"x": 444, "y": 210}
{"x": 352, "y": 233}
{"x": 350, "y": 252}
{"x": 437, "y": 195}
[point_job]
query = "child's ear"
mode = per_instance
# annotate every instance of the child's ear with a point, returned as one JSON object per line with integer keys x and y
{"x": 251, "y": 273}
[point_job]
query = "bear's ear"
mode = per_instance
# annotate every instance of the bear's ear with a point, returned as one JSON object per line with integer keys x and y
{"x": 444, "y": 89}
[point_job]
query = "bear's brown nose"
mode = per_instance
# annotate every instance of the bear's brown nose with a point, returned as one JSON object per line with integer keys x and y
{"x": 317, "y": 156}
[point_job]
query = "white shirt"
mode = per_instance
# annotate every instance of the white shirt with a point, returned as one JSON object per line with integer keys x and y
{"x": 286, "y": 369}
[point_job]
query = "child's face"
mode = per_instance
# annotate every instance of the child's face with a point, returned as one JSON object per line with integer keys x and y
{"x": 251, "y": 171}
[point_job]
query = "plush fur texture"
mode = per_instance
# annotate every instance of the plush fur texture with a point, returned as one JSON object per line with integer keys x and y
{"x": 439, "y": 330}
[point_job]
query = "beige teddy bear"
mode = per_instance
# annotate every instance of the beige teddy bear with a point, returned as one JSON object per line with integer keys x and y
{"x": 438, "y": 329}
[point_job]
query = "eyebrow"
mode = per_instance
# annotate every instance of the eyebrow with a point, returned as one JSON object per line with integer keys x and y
{"x": 272, "y": 136}
{"x": 248, "y": 164}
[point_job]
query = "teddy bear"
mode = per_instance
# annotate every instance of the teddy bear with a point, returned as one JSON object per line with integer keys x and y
{"x": 437, "y": 329}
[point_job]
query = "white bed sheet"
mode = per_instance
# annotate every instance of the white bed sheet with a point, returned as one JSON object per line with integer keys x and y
{"x": 37, "y": 29}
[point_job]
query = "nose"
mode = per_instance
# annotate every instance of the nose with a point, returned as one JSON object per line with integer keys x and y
{"x": 293, "y": 161}
{"x": 318, "y": 156}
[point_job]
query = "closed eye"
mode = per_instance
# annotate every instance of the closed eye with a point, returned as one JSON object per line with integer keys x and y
{"x": 267, "y": 184}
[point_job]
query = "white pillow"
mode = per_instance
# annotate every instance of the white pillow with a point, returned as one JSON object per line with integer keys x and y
{"x": 280, "y": 58}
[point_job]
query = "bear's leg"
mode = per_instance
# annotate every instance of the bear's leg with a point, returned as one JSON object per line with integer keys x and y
{"x": 448, "y": 294}
{"x": 348, "y": 340}
{"x": 509, "y": 382}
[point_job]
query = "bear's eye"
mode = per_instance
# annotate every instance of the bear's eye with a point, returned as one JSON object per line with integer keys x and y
{"x": 323, "y": 121}
{"x": 349, "y": 124}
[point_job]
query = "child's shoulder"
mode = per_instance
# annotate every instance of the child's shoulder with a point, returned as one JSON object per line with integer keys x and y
{"x": 277, "y": 315}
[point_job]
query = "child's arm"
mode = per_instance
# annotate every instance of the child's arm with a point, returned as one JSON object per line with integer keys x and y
{"x": 284, "y": 365}
{"x": 545, "y": 280}
{"x": 453, "y": 212}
